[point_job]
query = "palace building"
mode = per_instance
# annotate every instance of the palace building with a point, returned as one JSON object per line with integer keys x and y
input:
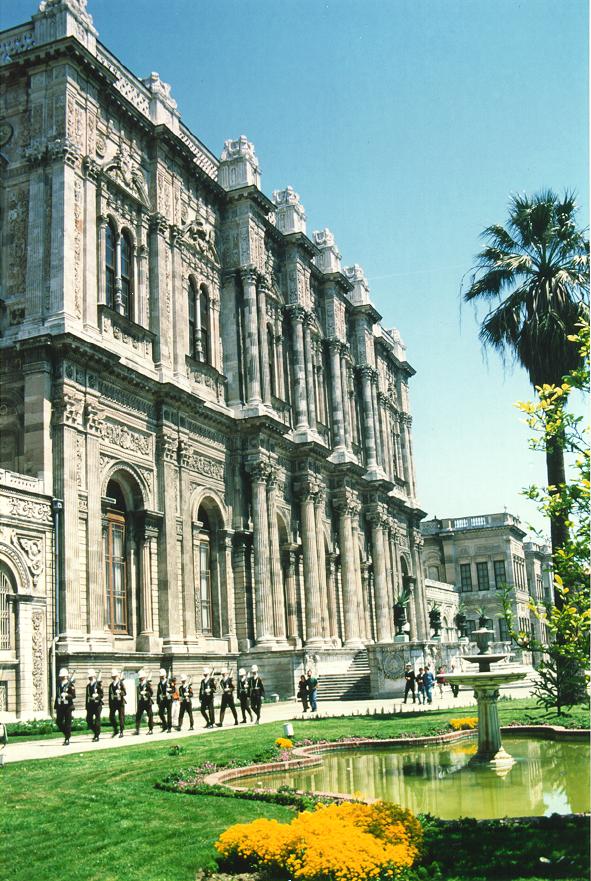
{"x": 206, "y": 443}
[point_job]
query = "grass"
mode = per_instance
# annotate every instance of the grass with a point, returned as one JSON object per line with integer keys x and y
{"x": 97, "y": 816}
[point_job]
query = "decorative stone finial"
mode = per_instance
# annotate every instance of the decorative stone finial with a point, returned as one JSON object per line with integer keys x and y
{"x": 239, "y": 166}
{"x": 163, "y": 107}
{"x": 329, "y": 259}
{"x": 360, "y": 294}
{"x": 160, "y": 88}
{"x": 65, "y": 18}
{"x": 289, "y": 213}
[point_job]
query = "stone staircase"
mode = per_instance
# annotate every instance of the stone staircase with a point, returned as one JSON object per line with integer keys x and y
{"x": 353, "y": 684}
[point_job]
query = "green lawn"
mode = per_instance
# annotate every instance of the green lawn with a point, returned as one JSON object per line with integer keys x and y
{"x": 98, "y": 817}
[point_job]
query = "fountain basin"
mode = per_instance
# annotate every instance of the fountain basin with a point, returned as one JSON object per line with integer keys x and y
{"x": 435, "y": 775}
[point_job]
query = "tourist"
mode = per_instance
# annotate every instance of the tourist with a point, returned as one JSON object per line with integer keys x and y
{"x": 227, "y": 688}
{"x": 94, "y": 705}
{"x": 455, "y": 688}
{"x": 312, "y": 683}
{"x": 421, "y": 685}
{"x": 175, "y": 709}
{"x": 441, "y": 680}
{"x": 185, "y": 702}
{"x": 256, "y": 692}
{"x": 409, "y": 683}
{"x": 117, "y": 703}
{"x": 145, "y": 694}
{"x": 303, "y": 692}
{"x": 429, "y": 681}
{"x": 64, "y": 704}
{"x": 206, "y": 694}
{"x": 243, "y": 695}
{"x": 164, "y": 701}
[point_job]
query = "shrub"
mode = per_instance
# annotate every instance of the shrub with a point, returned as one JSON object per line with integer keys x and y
{"x": 467, "y": 724}
{"x": 348, "y": 842}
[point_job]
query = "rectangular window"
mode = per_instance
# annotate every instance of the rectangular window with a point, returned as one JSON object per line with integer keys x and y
{"x": 116, "y": 573}
{"x": 471, "y": 627}
{"x": 482, "y": 575}
{"x": 500, "y": 574}
{"x": 465, "y": 578}
{"x": 205, "y": 586}
{"x": 503, "y": 630}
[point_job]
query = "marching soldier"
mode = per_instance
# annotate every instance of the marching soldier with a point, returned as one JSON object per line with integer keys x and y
{"x": 256, "y": 692}
{"x": 94, "y": 704}
{"x": 164, "y": 700}
{"x": 243, "y": 695}
{"x": 64, "y": 704}
{"x": 117, "y": 703}
{"x": 186, "y": 701}
{"x": 227, "y": 688}
{"x": 145, "y": 694}
{"x": 206, "y": 693}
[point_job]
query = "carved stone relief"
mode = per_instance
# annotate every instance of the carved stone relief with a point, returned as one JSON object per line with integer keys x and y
{"x": 38, "y": 661}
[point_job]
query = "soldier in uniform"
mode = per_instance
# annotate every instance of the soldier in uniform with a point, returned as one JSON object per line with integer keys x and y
{"x": 243, "y": 695}
{"x": 186, "y": 702}
{"x": 64, "y": 704}
{"x": 206, "y": 693}
{"x": 94, "y": 704}
{"x": 164, "y": 700}
{"x": 227, "y": 689}
{"x": 145, "y": 694}
{"x": 256, "y": 692}
{"x": 117, "y": 703}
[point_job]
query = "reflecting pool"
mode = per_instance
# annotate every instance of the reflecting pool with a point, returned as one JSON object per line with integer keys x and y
{"x": 547, "y": 777}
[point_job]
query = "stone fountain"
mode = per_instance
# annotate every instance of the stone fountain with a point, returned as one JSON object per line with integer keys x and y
{"x": 486, "y": 686}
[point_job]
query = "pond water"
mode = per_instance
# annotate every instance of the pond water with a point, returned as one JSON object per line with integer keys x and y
{"x": 547, "y": 777}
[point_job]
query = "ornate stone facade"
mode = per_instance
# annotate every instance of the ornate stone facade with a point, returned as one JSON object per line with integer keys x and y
{"x": 210, "y": 396}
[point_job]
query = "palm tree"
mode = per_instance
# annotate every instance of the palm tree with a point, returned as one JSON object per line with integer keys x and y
{"x": 533, "y": 274}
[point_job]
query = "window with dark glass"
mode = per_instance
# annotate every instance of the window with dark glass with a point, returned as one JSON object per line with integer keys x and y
{"x": 110, "y": 267}
{"x": 205, "y": 584}
{"x": 471, "y": 626}
{"x": 204, "y": 316}
{"x": 116, "y": 571}
{"x": 465, "y": 578}
{"x": 126, "y": 275}
{"x": 503, "y": 630}
{"x": 500, "y": 574}
{"x": 482, "y": 576}
{"x": 6, "y": 589}
{"x": 192, "y": 309}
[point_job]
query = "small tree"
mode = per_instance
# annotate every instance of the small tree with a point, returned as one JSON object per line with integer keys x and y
{"x": 564, "y": 625}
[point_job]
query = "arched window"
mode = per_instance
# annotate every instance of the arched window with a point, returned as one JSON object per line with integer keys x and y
{"x": 6, "y": 590}
{"x": 126, "y": 275}
{"x": 205, "y": 567}
{"x": 192, "y": 312}
{"x": 272, "y": 360}
{"x": 204, "y": 323}
{"x": 115, "y": 548}
{"x": 110, "y": 265}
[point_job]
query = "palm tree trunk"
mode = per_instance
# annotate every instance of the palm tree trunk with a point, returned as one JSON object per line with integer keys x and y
{"x": 556, "y": 479}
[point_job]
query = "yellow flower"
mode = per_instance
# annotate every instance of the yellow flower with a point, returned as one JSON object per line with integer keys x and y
{"x": 467, "y": 724}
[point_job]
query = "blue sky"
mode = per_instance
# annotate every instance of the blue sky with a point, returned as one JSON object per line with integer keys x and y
{"x": 404, "y": 125}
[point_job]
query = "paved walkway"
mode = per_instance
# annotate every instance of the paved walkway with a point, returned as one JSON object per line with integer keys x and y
{"x": 51, "y": 748}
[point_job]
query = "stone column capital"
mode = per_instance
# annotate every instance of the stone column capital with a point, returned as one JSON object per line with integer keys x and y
{"x": 307, "y": 487}
{"x": 249, "y": 274}
{"x": 167, "y": 447}
{"x": 377, "y": 514}
{"x": 296, "y": 312}
{"x": 259, "y": 470}
{"x": 94, "y": 415}
{"x": 68, "y": 408}
{"x": 416, "y": 538}
{"x": 366, "y": 371}
{"x": 346, "y": 502}
{"x": 158, "y": 224}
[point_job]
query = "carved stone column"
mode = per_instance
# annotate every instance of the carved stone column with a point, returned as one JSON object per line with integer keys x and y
{"x": 378, "y": 519}
{"x": 319, "y": 510}
{"x": 148, "y": 640}
{"x": 416, "y": 543}
{"x": 293, "y": 635}
{"x": 376, "y": 420}
{"x": 252, "y": 352}
{"x": 95, "y": 577}
{"x": 279, "y": 360}
{"x": 259, "y": 472}
{"x": 168, "y": 590}
{"x": 360, "y": 599}
{"x": 102, "y": 257}
{"x": 406, "y": 427}
{"x": 368, "y": 418}
{"x": 309, "y": 370}
{"x": 333, "y": 617}
{"x": 297, "y": 314}
{"x": 229, "y": 616}
{"x": 367, "y": 601}
{"x": 263, "y": 341}
{"x": 275, "y": 559}
{"x": 307, "y": 490}
{"x": 189, "y": 583}
{"x": 334, "y": 347}
{"x": 347, "y": 507}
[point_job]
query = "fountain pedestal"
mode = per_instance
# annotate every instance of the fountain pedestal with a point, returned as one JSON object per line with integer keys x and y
{"x": 486, "y": 686}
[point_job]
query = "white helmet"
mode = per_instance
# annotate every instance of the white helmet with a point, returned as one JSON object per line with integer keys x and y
{"x": 162, "y": 671}
{"x": 184, "y": 677}
{"x": 206, "y": 671}
{"x": 242, "y": 672}
{"x": 254, "y": 669}
{"x": 224, "y": 671}
{"x": 142, "y": 674}
{"x": 114, "y": 672}
{"x": 91, "y": 674}
{"x": 63, "y": 674}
